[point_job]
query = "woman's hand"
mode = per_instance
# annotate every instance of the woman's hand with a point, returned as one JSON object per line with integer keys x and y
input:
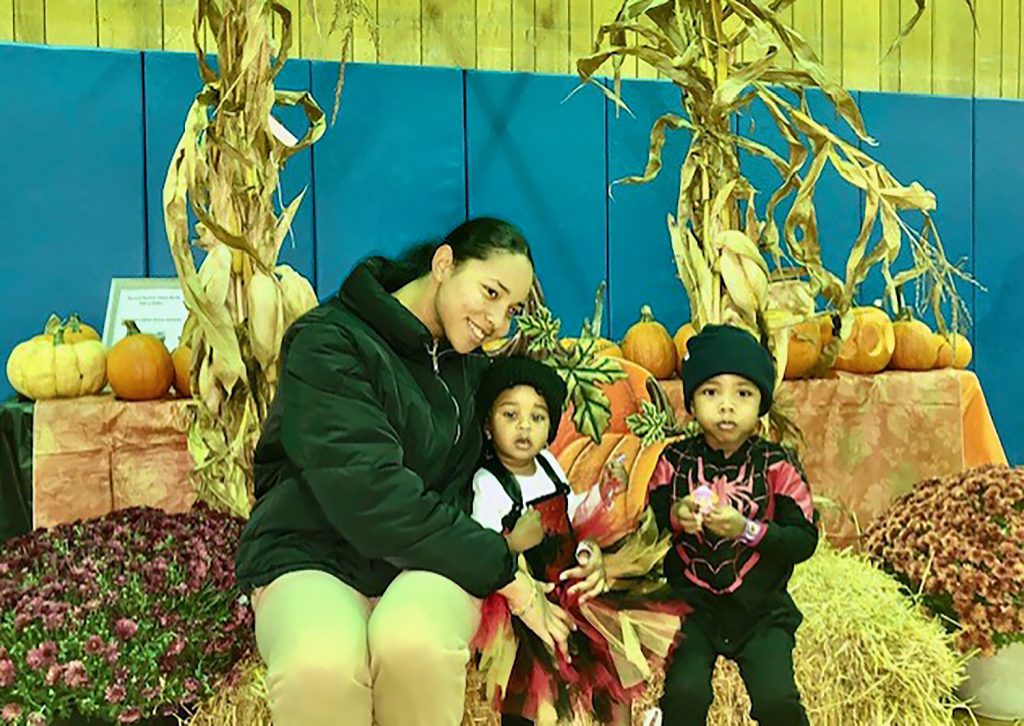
{"x": 527, "y": 601}
{"x": 591, "y": 574}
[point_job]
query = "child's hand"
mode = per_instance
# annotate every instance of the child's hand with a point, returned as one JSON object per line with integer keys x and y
{"x": 726, "y": 522}
{"x": 591, "y": 573}
{"x": 686, "y": 512}
{"x": 528, "y": 532}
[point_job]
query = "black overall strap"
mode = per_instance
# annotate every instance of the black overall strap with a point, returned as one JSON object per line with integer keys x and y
{"x": 561, "y": 487}
{"x": 511, "y": 487}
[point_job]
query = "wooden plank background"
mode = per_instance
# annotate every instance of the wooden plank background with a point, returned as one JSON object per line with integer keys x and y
{"x": 942, "y": 56}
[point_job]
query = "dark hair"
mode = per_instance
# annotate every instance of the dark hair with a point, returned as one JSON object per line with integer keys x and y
{"x": 476, "y": 239}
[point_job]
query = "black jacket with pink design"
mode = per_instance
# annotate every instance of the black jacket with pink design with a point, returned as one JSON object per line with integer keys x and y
{"x": 766, "y": 483}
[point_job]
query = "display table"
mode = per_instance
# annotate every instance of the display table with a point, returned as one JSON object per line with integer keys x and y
{"x": 95, "y": 454}
{"x": 15, "y": 468}
{"x": 869, "y": 439}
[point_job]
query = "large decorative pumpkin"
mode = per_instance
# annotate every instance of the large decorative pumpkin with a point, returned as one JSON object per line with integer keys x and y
{"x": 602, "y": 346}
{"x": 584, "y": 462}
{"x": 139, "y": 367}
{"x": 681, "y": 339}
{"x": 47, "y": 366}
{"x": 624, "y": 399}
{"x": 181, "y": 357}
{"x": 916, "y": 348}
{"x": 648, "y": 344}
{"x": 804, "y": 348}
{"x": 962, "y": 351}
{"x": 871, "y": 342}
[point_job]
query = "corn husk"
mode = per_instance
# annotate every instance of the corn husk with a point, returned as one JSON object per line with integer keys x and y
{"x": 719, "y": 241}
{"x": 225, "y": 171}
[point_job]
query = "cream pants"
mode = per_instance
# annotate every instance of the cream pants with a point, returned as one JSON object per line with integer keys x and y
{"x": 337, "y": 658}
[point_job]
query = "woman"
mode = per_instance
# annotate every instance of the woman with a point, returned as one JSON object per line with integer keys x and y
{"x": 364, "y": 565}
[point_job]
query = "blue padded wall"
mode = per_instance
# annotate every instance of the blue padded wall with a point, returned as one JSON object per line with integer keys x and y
{"x": 171, "y": 83}
{"x": 538, "y": 160}
{"x": 641, "y": 269}
{"x": 998, "y": 221}
{"x": 416, "y": 150}
{"x": 927, "y": 139}
{"x": 73, "y": 187}
{"x": 392, "y": 171}
{"x": 837, "y": 203}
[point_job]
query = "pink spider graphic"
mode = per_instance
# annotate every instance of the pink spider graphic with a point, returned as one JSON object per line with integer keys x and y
{"x": 738, "y": 492}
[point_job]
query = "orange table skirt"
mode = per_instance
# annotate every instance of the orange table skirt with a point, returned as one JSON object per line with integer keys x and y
{"x": 867, "y": 439}
{"x": 93, "y": 455}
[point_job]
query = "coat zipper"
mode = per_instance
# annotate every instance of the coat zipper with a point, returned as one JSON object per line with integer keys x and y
{"x": 455, "y": 402}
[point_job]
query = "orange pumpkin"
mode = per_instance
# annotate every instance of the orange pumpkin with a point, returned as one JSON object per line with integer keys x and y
{"x": 803, "y": 349}
{"x": 648, "y": 344}
{"x": 827, "y": 329}
{"x": 139, "y": 367}
{"x": 584, "y": 462}
{"x": 916, "y": 346}
{"x": 962, "y": 350}
{"x": 944, "y": 359}
{"x": 870, "y": 345}
{"x": 181, "y": 357}
{"x": 624, "y": 398}
{"x": 681, "y": 339}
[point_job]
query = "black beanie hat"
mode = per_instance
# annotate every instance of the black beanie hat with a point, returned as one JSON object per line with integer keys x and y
{"x": 505, "y": 373}
{"x": 719, "y": 349}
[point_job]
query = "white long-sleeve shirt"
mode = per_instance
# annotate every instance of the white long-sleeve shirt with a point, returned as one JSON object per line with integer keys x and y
{"x": 491, "y": 504}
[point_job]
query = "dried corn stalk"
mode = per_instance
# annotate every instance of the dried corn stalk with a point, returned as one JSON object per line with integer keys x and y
{"x": 343, "y": 18}
{"x": 225, "y": 170}
{"x": 719, "y": 242}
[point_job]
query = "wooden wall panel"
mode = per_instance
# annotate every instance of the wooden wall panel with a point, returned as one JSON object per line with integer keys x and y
{"x": 941, "y": 56}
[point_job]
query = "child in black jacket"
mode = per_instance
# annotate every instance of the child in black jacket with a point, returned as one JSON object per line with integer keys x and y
{"x": 741, "y": 517}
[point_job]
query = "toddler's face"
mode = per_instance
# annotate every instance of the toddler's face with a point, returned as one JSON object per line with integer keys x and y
{"x": 519, "y": 425}
{"x": 726, "y": 407}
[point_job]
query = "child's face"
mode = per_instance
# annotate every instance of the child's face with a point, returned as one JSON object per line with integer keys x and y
{"x": 519, "y": 425}
{"x": 726, "y": 407}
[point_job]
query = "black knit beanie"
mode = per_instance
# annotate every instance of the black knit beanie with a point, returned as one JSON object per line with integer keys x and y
{"x": 719, "y": 349}
{"x": 505, "y": 373}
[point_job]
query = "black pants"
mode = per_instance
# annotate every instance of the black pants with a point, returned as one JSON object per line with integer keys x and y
{"x": 507, "y": 720}
{"x": 765, "y": 658}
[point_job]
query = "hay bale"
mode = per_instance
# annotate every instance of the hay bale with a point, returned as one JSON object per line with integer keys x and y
{"x": 240, "y": 701}
{"x": 865, "y": 653}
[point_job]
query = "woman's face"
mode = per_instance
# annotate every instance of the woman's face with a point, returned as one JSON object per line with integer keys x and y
{"x": 477, "y": 299}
